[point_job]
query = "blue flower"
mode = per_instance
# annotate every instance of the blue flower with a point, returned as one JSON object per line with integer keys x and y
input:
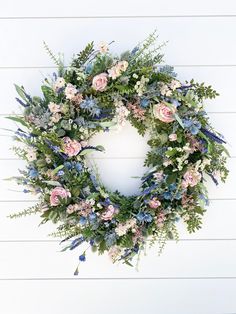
{"x": 68, "y": 165}
{"x": 172, "y": 187}
{"x": 82, "y": 220}
{"x": 144, "y": 217}
{"x": 82, "y": 258}
{"x": 193, "y": 126}
{"x": 144, "y": 102}
{"x": 178, "y": 196}
{"x": 90, "y": 104}
{"x": 78, "y": 166}
{"x": 33, "y": 173}
{"x": 175, "y": 102}
{"x": 88, "y": 68}
{"x": 110, "y": 239}
{"x": 91, "y": 242}
{"x": 60, "y": 173}
{"x": 76, "y": 242}
{"x": 92, "y": 216}
{"x": 167, "y": 195}
{"x": 134, "y": 50}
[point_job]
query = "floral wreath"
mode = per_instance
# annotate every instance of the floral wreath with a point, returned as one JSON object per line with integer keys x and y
{"x": 99, "y": 92}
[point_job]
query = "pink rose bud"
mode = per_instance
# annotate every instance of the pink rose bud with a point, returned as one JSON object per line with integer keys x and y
{"x": 154, "y": 203}
{"x": 173, "y": 137}
{"x": 109, "y": 213}
{"x": 100, "y": 82}
{"x": 71, "y": 147}
{"x": 164, "y": 113}
{"x": 191, "y": 178}
{"x": 56, "y": 194}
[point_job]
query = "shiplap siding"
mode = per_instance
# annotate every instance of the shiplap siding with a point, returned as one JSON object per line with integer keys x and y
{"x": 197, "y": 275}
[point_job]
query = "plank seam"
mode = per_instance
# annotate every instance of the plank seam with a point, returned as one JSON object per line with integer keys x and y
{"x": 119, "y": 278}
{"x": 118, "y": 17}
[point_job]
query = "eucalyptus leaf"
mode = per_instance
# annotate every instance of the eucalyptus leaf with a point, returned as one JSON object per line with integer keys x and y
{"x": 19, "y": 120}
{"x": 21, "y": 92}
{"x": 53, "y": 183}
{"x": 57, "y": 169}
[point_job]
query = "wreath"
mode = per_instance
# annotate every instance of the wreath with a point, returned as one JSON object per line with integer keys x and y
{"x": 97, "y": 92}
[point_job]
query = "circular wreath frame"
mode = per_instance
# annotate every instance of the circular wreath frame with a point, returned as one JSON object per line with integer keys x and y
{"x": 100, "y": 91}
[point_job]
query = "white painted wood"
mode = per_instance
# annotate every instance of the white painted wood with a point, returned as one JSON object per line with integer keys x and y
{"x": 72, "y": 8}
{"x": 182, "y": 259}
{"x": 128, "y": 296}
{"x": 189, "y": 42}
{"x": 202, "y": 47}
{"x": 32, "y": 79}
{"x": 216, "y": 223}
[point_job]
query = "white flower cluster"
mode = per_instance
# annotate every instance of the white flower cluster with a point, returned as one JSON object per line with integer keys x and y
{"x": 167, "y": 89}
{"x": 121, "y": 113}
{"x": 122, "y": 228}
{"x": 140, "y": 86}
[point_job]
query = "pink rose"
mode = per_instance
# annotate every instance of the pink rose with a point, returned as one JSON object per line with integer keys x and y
{"x": 173, "y": 137}
{"x": 164, "y": 112}
{"x": 109, "y": 213}
{"x": 56, "y": 194}
{"x": 100, "y": 82}
{"x": 71, "y": 147}
{"x": 70, "y": 91}
{"x": 154, "y": 203}
{"x": 191, "y": 178}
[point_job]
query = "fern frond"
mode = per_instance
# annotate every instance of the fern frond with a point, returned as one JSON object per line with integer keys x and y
{"x": 83, "y": 56}
{"x": 26, "y": 212}
{"x": 55, "y": 59}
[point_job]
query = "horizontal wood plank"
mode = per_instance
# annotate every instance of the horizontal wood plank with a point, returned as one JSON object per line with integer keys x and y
{"x": 182, "y": 259}
{"x": 185, "y": 37}
{"x": 103, "y": 8}
{"x": 137, "y": 296}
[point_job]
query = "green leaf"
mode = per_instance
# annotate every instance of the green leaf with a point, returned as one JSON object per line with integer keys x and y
{"x": 18, "y": 119}
{"x": 171, "y": 178}
{"x": 107, "y": 124}
{"x": 21, "y": 92}
{"x": 100, "y": 147}
{"x": 170, "y": 153}
{"x": 53, "y": 183}
{"x": 178, "y": 119}
{"x": 48, "y": 92}
{"x": 57, "y": 169}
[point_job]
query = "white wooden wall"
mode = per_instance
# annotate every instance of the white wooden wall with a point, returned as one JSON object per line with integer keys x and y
{"x": 195, "y": 276}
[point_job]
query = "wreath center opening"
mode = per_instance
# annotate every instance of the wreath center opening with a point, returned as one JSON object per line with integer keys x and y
{"x": 120, "y": 166}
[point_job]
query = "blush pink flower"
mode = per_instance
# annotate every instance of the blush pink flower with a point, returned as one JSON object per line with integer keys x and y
{"x": 122, "y": 65}
{"x": 160, "y": 220}
{"x": 109, "y": 213}
{"x": 70, "y": 91}
{"x": 154, "y": 203}
{"x": 100, "y": 82}
{"x": 54, "y": 108}
{"x": 58, "y": 193}
{"x": 191, "y": 178}
{"x": 164, "y": 113}
{"x": 71, "y": 147}
{"x": 173, "y": 137}
{"x": 103, "y": 47}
